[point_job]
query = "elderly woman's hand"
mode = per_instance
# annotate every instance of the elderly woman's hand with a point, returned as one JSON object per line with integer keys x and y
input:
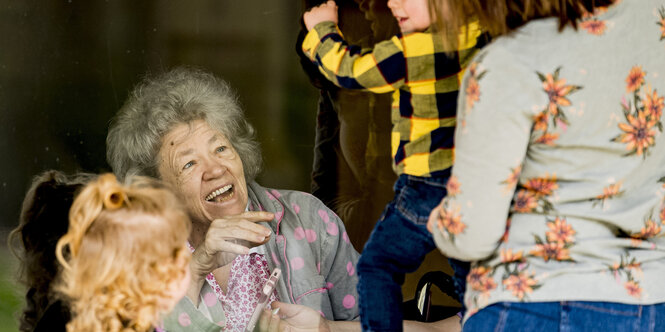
{"x": 296, "y": 317}
{"x": 229, "y": 237}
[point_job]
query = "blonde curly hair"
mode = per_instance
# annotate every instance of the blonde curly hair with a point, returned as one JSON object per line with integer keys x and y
{"x": 123, "y": 255}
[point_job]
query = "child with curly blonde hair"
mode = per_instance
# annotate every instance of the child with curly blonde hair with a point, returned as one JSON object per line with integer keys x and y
{"x": 124, "y": 257}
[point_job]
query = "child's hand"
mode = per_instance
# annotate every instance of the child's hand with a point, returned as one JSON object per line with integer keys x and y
{"x": 321, "y": 13}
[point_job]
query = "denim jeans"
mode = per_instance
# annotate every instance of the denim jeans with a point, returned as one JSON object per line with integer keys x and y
{"x": 568, "y": 316}
{"x": 398, "y": 244}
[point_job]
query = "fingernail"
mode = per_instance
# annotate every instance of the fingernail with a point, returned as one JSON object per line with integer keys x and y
{"x": 274, "y": 312}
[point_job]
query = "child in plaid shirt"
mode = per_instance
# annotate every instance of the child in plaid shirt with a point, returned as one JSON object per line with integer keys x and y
{"x": 424, "y": 78}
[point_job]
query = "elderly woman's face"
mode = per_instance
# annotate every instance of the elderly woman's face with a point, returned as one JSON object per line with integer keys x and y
{"x": 205, "y": 170}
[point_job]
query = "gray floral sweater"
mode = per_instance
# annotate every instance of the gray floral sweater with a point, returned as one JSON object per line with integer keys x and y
{"x": 309, "y": 244}
{"x": 558, "y": 187}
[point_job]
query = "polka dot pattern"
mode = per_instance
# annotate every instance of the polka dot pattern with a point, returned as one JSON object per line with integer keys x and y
{"x": 310, "y": 235}
{"x": 184, "y": 320}
{"x": 210, "y": 299}
{"x": 324, "y": 216}
{"x": 299, "y": 233}
{"x": 332, "y": 229}
{"x": 297, "y": 263}
{"x": 349, "y": 301}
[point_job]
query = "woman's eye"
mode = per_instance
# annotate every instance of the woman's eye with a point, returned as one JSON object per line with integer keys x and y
{"x": 188, "y": 165}
{"x": 221, "y": 149}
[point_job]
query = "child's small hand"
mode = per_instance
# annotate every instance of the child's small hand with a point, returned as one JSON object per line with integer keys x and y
{"x": 321, "y": 13}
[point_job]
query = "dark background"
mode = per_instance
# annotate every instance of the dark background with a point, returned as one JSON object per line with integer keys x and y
{"x": 66, "y": 67}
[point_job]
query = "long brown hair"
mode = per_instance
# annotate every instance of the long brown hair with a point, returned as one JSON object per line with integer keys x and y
{"x": 500, "y": 17}
{"x": 43, "y": 220}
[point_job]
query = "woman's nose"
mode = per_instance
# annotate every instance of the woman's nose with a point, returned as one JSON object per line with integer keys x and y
{"x": 213, "y": 170}
{"x": 392, "y": 4}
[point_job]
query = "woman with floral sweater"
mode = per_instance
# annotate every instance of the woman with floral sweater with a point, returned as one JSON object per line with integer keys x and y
{"x": 557, "y": 191}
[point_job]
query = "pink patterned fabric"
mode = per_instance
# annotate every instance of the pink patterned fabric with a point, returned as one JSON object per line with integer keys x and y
{"x": 248, "y": 275}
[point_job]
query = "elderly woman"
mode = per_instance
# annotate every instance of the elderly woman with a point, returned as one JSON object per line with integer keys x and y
{"x": 186, "y": 128}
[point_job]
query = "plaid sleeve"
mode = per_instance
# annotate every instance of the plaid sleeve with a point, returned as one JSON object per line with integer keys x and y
{"x": 379, "y": 70}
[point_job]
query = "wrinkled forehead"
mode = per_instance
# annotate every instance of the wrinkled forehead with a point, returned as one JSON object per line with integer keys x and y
{"x": 186, "y": 138}
{"x": 192, "y": 134}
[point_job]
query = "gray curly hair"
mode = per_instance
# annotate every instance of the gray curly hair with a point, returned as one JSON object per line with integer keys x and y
{"x": 159, "y": 104}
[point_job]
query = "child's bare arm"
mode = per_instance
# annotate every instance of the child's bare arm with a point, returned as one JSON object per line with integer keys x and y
{"x": 321, "y": 13}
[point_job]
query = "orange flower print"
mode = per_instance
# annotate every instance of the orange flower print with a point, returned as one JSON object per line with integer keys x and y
{"x": 635, "y": 79}
{"x": 450, "y": 220}
{"x": 453, "y": 186}
{"x": 551, "y": 250}
{"x": 650, "y": 229}
{"x": 653, "y": 104}
{"x": 504, "y": 237}
{"x": 540, "y": 121}
{"x": 525, "y": 201}
{"x": 560, "y": 231}
{"x": 542, "y": 186}
{"x": 520, "y": 284}
{"x": 557, "y": 90}
{"x": 633, "y": 288}
{"x": 557, "y": 95}
{"x": 547, "y": 139}
{"x": 511, "y": 181}
{"x": 594, "y": 26}
{"x": 472, "y": 92}
{"x": 480, "y": 279}
{"x": 662, "y": 213}
{"x": 609, "y": 192}
{"x": 638, "y": 133}
{"x": 630, "y": 268}
{"x": 642, "y": 117}
{"x": 507, "y": 256}
{"x": 472, "y": 87}
{"x": 635, "y": 266}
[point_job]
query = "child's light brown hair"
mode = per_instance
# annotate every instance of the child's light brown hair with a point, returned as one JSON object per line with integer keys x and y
{"x": 500, "y": 17}
{"x": 124, "y": 250}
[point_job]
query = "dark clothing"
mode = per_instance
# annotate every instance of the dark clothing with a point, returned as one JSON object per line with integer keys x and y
{"x": 54, "y": 319}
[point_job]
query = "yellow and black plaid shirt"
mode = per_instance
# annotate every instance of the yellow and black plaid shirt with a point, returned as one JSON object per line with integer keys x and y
{"x": 425, "y": 80}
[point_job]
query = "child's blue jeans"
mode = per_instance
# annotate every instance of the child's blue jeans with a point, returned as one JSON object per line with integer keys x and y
{"x": 398, "y": 245}
{"x": 568, "y": 316}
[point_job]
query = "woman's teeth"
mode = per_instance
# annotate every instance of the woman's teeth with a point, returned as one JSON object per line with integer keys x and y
{"x": 219, "y": 192}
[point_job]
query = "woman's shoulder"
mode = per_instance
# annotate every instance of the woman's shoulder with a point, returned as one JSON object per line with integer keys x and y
{"x": 287, "y": 196}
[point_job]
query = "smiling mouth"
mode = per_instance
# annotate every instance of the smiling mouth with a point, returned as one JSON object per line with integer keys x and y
{"x": 222, "y": 194}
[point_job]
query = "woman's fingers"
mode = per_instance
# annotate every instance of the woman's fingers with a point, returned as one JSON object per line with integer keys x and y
{"x": 268, "y": 322}
{"x": 216, "y": 236}
{"x": 228, "y": 237}
{"x": 243, "y": 226}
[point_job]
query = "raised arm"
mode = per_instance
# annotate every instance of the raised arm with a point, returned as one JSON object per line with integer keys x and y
{"x": 381, "y": 69}
{"x": 325, "y": 12}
